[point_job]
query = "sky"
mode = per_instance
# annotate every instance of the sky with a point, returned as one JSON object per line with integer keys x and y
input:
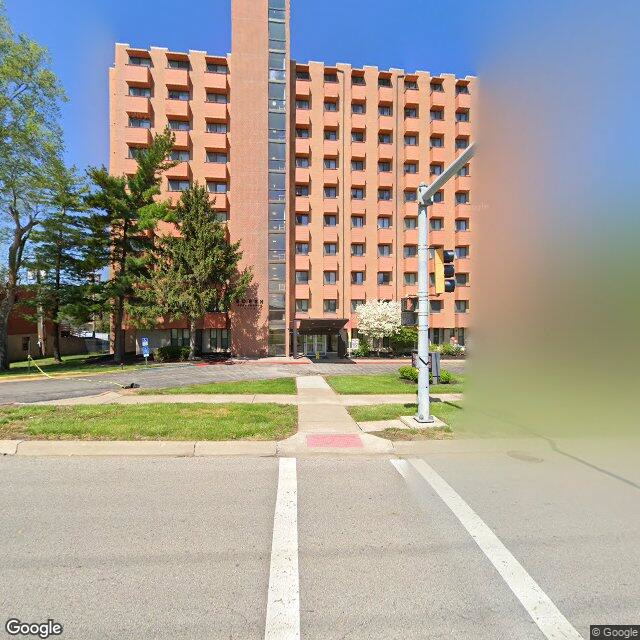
{"x": 80, "y": 36}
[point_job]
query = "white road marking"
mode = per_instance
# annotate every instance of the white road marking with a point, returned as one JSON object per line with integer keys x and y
{"x": 538, "y": 605}
{"x": 283, "y": 604}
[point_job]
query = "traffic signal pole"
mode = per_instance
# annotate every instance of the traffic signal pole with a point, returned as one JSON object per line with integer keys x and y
{"x": 425, "y": 198}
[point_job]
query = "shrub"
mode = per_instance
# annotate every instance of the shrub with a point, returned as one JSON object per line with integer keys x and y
{"x": 171, "y": 353}
{"x": 409, "y": 373}
{"x": 404, "y": 340}
{"x": 451, "y": 350}
{"x": 446, "y": 377}
{"x": 363, "y": 349}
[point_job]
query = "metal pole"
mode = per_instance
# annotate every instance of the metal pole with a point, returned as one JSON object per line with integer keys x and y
{"x": 424, "y": 414}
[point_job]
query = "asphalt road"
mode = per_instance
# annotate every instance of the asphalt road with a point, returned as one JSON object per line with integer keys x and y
{"x": 181, "y": 549}
{"x": 171, "y": 375}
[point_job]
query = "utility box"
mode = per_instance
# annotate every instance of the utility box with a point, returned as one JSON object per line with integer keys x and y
{"x": 433, "y": 363}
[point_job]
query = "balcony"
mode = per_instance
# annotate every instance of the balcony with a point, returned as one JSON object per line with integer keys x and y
{"x": 386, "y": 94}
{"x": 303, "y": 88}
{"x": 358, "y": 92}
{"x": 302, "y": 263}
{"x": 439, "y": 237}
{"x": 220, "y": 201}
{"x": 331, "y": 119}
{"x": 176, "y": 78}
{"x": 412, "y": 153}
{"x": 463, "y": 237}
{"x": 386, "y": 236}
{"x": 463, "y": 183}
{"x": 330, "y": 205}
{"x": 439, "y": 127}
{"x": 411, "y": 208}
{"x": 386, "y": 179}
{"x": 411, "y": 236}
{"x": 303, "y": 146}
{"x": 331, "y": 176}
{"x": 137, "y": 136}
{"x": 302, "y": 292}
{"x": 412, "y": 180}
{"x": 386, "y": 263}
{"x": 331, "y": 147}
{"x": 386, "y": 292}
{"x": 330, "y": 263}
{"x": 302, "y": 176}
{"x": 303, "y": 233}
{"x": 463, "y": 101}
{"x": 178, "y": 108}
{"x": 440, "y": 154}
{"x": 137, "y": 106}
{"x": 358, "y": 120}
{"x": 215, "y": 141}
{"x": 463, "y": 129}
{"x": 183, "y": 139}
{"x": 137, "y": 74}
{"x": 358, "y": 206}
{"x": 330, "y": 291}
{"x": 302, "y": 204}
{"x": 181, "y": 170}
{"x": 385, "y": 207}
{"x": 303, "y": 117}
{"x": 411, "y": 264}
{"x": 215, "y": 171}
{"x": 358, "y": 235}
{"x": 358, "y": 263}
{"x": 330, "y": 234}
{"x": 463, "y": 265}
{"x": 358, "y": 178}
{"x": 358, "y": 149}
{"x": 217, "y": 81}
{"x": 386, "y": 123}
{"x": 331, "y": 89}
{"x": 215, "y": 111}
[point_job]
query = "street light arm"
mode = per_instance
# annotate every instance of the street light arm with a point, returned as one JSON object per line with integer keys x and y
{"x": 425, "y": 193}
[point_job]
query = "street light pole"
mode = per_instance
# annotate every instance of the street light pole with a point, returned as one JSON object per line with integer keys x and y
{"x": 425, "y": 195}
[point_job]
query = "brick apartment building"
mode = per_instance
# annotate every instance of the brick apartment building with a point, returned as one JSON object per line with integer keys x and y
{"x": 314, "y": 168}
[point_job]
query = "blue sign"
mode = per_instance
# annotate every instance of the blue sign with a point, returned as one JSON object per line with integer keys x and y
{"x": 145, "y": 347}
{"x": 145, "y": 342}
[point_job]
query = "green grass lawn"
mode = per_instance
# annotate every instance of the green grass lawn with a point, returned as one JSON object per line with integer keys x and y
{"x": 277, "y": 386}
{"x": 149, "y": 422}
{"x": 386, "y": 383}
{"x": 70, "y": 364}
{"x": 449, "y": 412}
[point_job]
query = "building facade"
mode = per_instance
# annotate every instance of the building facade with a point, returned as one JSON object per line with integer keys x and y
{"x": 314, "y": 168}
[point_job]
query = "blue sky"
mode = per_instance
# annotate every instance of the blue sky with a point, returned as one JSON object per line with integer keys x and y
{"x": 80, "y": 37}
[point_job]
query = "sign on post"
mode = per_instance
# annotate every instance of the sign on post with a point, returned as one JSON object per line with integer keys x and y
{"x": 145, "y": 349}
{"x": 433, "y": 363}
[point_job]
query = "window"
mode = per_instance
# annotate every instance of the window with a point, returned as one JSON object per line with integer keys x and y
{"x": 435, "y": 306}
{"x": 462, "y": 116}
{"x": 384, "y": 277}
{"x": 330, "y": 277}
{"x": 384, "y": 82}
{"x": 358, "y": 107}
{"x": 214, "y": 67}
{"x": 464, "y": 171}
{"x": 179, "y": 155}
{"x": 277, "y": 63}
{"x": 179, "y": 125}
{"x": 330, "y": 134}
{"x": 302, "y": 277}
{"x": 462, "y": 224}
{"x": 411, "y": 223}
{"x": 330, "y": 220}
{"x": 330, "y": 306}
{"x": 462, "y": 197}
{"x": 357, "y": 165}
{"x": 411, "y": 85}
{"x": 302, "y": 74}
{"x": 180, "y": 337}
{"x": 437, "y": 86}
{"x": 302, "y": 132}
{"x": 462, "y": 279}
{"x": 410, "y": 196}
{"x": 303, "y": 104}
{"x": 178, "y": 64}
{"x": 179, "y": 185}
{"x": 411, "y": 278}
{"x": 219, "y": 339}
{"x": 385, "y": 137}
{"x": 217, "y": 156}
{"x": 217, "y": 187}
{"x": 438, "y": 196}
{"x": 384, "y": 194}
{"x": 302, "y": 219}
{"x": 357, "y": 193}
{"x": 302, "y": 305}
{"x": 219, "y": 98}
{"x": 358, "y": 81}
{"x": 462, "y": 88}
{"x": 355, "y": 304}
{"x": 462, "y": 252}
{"x": 217, "y": 127}
{"x": 384, "y": 166}
{"x": 462, "y": 143}
{"x": 140, "y": 92}
{"x": 330, "y": 105}
{"x": 221, "y": 216}
{"x": 437, "y": 114}
{"x": 436, "y": 141}
{"x": 139, "y": 61}
{"x": 385, "y": 110}
{"x": 139, "y": 123}
{"x": 411, "y": 167}
{"x": 330, "y": 77}
{"x": 357, "y": 277}
{"x": 277, "y": 153}
{"x": 357, "y": 222}
{"x": 330, "y": 248}
{"x": 410, "y": 250}
{"x": 136, "y": 152}
{"x": 331, "y": 163}
{"x": 436, "y": 168}
{"x": 302, "y": 162}
{"x": 331, "y": 192}
{"x": 357, "y": 136}
{"x": 302, "y": 190}
{"x": 411, "y": 140}
{"x": 432, "y": 279}
{"x": 302, "y": 248}
{"x": 384, "y": 222}
{"x": 357, "y": 249}
{"x": 276, "y": 32}
{"x": 462, "y": 306}
{"x": 175, "y": 94}
{"x": 384, "y": 250}
{"x": 436, "y": 224}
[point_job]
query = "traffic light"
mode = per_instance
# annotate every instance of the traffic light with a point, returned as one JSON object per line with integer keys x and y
{"x": 445, "y": 271}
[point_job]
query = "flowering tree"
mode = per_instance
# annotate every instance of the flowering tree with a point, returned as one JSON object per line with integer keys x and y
{"x": 378, "y": 319}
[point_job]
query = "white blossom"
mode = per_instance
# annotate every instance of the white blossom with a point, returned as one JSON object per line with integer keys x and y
{"x": 378, "y": 319}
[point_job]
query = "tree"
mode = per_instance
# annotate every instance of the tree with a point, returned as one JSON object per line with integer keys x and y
{"x": 65, "y": 253}
{"x": 30, "y": 139}
{"x": 378, "y": 319}
{"x": 127, "y": 216}
{"x": 195, "y": 272}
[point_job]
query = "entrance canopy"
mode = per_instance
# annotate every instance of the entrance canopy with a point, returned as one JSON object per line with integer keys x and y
{"x": 310, "y": 326}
